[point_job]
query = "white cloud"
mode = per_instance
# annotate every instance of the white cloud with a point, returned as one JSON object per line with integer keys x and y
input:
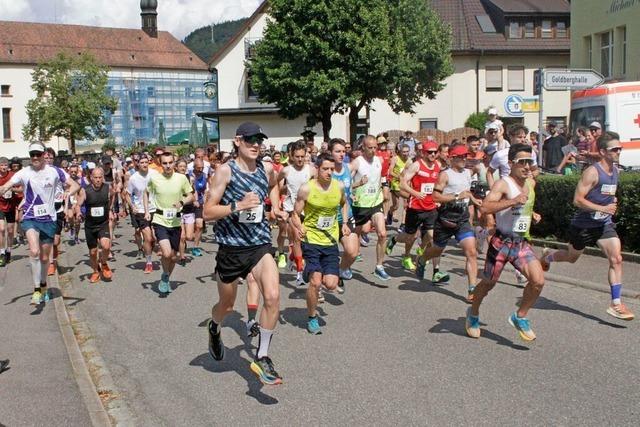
{"x": 179, "y": 17}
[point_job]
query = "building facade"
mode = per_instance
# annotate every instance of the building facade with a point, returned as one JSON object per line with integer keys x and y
{"x": 605, "y": 37}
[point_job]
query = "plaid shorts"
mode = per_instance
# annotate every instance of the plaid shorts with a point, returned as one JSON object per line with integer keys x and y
{"x": 504, "y": 249}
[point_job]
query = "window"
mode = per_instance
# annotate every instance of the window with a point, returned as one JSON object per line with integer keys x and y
{"x": 587, "y": 41}
{"x": 187, "y": 92}
{"x": 428, "y": 123}
{"x": 515, "y": 78}
{"x": 251, "y": 93}
{"x": 529, "y": 30}
{"x": 493, "y": 78}
{"x": 606, "y": 53}
{"x": 561, "y": 30}
{"x": 6, "y": 123}
{"x": 151, "y": 91}
{"x": 624, "y": 50}
{"x": 5, "y": 90}
{"x": 546, "y": 29}
{"x": 514, "y": 30}
{"x": 188, "y": 113}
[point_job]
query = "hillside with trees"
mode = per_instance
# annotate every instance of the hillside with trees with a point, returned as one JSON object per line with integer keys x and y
{"x": 199, "y": 41}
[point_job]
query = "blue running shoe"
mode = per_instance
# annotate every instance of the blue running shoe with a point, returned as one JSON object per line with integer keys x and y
{"x": 313, "y": 326}
{"x": 472, "y": 324}
{"x": 381, "y": 274}
{"x": 522, "y": 326}
{"x": 420, "y": 267}
{"x": 346, "y": 274}
{"x": 196, "y": 252}
{"x": 163, "y": 286}
{"x": 45, "y": 294}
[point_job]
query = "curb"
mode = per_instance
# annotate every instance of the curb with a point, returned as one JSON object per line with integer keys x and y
{"x": 626, "y": 256}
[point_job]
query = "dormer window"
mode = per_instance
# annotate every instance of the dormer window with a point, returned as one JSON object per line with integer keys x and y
{"x": 514, "y": 30}
{"x": 546, "y": 29}
{"x": 529, "y": 30}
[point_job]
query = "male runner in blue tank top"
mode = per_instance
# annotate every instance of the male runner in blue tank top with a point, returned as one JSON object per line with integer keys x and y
{"x": 236, "y": 202}
{"x": 595, "y": 198}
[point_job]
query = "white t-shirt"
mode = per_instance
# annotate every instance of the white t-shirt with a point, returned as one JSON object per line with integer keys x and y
{"x": 206, "y": 170}
{"x": 39, "y": 191}
{"x": 500, "y": 162}
{"x": 136, "y": 186}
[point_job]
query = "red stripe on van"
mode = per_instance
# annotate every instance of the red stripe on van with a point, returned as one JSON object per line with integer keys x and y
{"x": 600, "y": 91}
{"x": 630, "y": 144}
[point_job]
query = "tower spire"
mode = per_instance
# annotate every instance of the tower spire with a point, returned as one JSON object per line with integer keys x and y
{"x": 149, "y": 17}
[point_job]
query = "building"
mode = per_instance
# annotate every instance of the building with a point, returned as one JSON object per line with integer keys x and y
{"x": 603, "y": 36}
{"x": 152, "y": 74}
{"x": 497, "y": 46}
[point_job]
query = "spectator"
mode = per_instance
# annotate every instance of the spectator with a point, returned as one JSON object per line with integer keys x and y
{"x": 552, "y": 147}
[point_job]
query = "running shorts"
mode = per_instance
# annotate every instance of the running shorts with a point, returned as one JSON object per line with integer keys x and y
{"x": 442, "y": 234}
{"x": 139, "y": 223}
{"x": 417, "y": 219}
{"x": 234, "y": 262}
{"x": 189, "y": 218}
{"x": 60, "y": 217}
{"x": 9, "y": 216}
{"x": 583, "y": 237}
{"x": 46, "y": 230}
{"x": 503, "y": 250}
{"x": 320, "y": 259}
{"x": 363, "y": 215}
{"x": 172, "y": 234}
{"x": 96, "y": 232}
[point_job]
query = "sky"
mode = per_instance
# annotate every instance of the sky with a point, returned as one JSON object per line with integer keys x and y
{"x": 179, "y": 17}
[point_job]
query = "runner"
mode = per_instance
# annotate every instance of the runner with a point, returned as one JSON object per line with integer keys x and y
{"x": 242, "y": 231}
{"x": 136, "y": 188}
{"x": 368, "y": 198}
{"x": 187, "y": 219}
{"x": 398, "y": 163}
{"x": 39, "y": 182}
{"x": 418, "y": 180}
{"x": 200, "y": 154}
{"x": 511, "y": 200}
{"x": 595, "y": 198}
{"x": 453, "y": 193}
{"x": 349, "y": 240}
{"x": 319, "y": 200}
{"x": 8, "y": 205}
{"x": 385, "y": 158}
{"x": 49, "y": 157}
{"x": 170, "y": 192}
{"x": 199, "y": 179}
{"x": 295, "y": 174}
{"x": 74, "y": 221}
{"x": 113, "y": 178}
{"x": 97, "y": 200}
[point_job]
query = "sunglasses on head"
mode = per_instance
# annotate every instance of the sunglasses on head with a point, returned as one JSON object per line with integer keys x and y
{"x": 524, "y": 161}
{"x": 614, "y": 149}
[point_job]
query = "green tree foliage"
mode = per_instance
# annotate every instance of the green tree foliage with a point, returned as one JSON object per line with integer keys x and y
{"x": 70, "y": 101}
{"x": 199, "y": 41}
{"x": 477, "y": 120}
{"x": 333, "y": 56}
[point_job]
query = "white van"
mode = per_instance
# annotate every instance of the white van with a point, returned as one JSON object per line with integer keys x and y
{"x": 617, "y": 107}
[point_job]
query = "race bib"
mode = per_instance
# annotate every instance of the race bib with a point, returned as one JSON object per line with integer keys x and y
{"x": 521, "y": 225}
{"x": 371, "y": 190}
{"x": 97, "y": 211}
{"x": 383, "y": 180}
{"x": 251, "y": 216}
{"x": 40, "y": 210}
{"x": 325, "y": 222}
{"x": 609, "y": 189}
{"x": 600, "y": 215}
{"x": 8, "y": 194}
{"x": 427, "y": 188}
{"x": 169, "y": 213}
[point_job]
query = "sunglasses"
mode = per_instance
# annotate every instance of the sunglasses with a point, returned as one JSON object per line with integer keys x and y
{"x": 253, "y": 140}
{"x": 35, "y": 153}
{"x": 492, "y": 132}
{"x": 459, "y": 157}
{"x": 524, "y": 161}
{"x": 614, "y": 149}
{"x": 432, "y": 151}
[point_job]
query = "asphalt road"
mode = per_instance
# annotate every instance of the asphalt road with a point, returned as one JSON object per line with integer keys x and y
{"x": 392, "y": 353}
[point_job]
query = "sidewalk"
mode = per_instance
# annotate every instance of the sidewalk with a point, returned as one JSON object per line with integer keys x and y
{"x": 40, "y": 387}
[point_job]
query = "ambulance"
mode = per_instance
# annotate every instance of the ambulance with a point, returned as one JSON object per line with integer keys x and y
{"x": 616, "y": 106}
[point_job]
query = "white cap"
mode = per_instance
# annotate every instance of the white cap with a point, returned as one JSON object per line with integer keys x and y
{"x": 267, "y": 159}
{"x": 36, "y": 146}
{"x": 493, "y": 126}
{"x": 91, "y": 165}
{"x": 595, "y": 125}
{"x": 493, "y": 111}
{"x": 192, "y": 156}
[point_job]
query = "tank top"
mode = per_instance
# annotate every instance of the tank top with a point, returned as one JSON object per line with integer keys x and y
{"x": 295, "y": 179}
{"x": 249, "y": 227}
{"x": 423, "y": 182}
{"x": 456, "y": 211}
{"x": 368, "y": 195}
{"x": 345, "y": 178}
{"x": 516, "y": 220}
{"x": 602, "y": 194}
{"x": 200, "y": 186}
{"x": 320, "y": 214}
{"x": 398, "y": 167}
{"x": 385, "y": 158}
{"x": 96, "y": 205}
{"x": 108, "y": 176}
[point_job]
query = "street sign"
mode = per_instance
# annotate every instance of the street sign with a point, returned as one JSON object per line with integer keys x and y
{"x": 537, "y": 81}
{"x": 571, "y": 79}
{"x": 513, "y": 105}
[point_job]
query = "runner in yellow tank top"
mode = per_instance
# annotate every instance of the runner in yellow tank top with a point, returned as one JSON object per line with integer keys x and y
{"x": 320, "y": 199}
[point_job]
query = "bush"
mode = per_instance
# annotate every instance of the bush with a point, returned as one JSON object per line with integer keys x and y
{"x": 477, "y": 121}
{"x": 554, "y": 201}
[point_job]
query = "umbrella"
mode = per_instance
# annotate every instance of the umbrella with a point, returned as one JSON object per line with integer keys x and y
{"x": 194, "y": 135}
{"x": 205, "y": 134}
{"x": 162, "y": 140}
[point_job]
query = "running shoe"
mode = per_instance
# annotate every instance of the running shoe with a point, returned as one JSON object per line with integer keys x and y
{"x": 196, "y": 251}
{"x": 253, "y": 328}
{"x": 340, "y": 287}
{"x": 183, "y": 261}
{"x": 401, "y": 228}
{"x": 439, "y": 278}
{"x": 359, "y": 258}
{"x": 52, "y": 269}
{"x": 95, "y": 277}
{"x": 36, "y": 298}
{"x": 364, "y": 240}
{"x": 470, "y": 291}
{"x": 391, "y": 242}
{"x": 543, "y": 260}
{"x": 4, "y": 365}
{"x": 106, "y": 272}
{"x": 420, "y": 267}
{"x": 7, "y": 257}
{"x": 346, "y": 274}
{"x": 77, "y": 240}
{"x": 3, "y": 260}
{"x": 419, "y": 251}
{"x": 300, "y": 279}
{"x": 216, "y": 346}
{"x": 620, "y": 311}
{"x": 407, "y": 263}
{"x": 320, "y": 297}
{"x": 45, "y": 294}
{"x": 163, "y": 285}
{"x": 140, "y": 254}
{"x": 265, "y": 372}
{"x": 389, "y": 218}
{"x": 522, "y": 326}
{"x": 472, "y": 324}
{"x": 112, "y": 257}
{"x": 521, "y": 279}
{"x": 282, "y": 261}
{"x": 148, "y": 268}
{"x": 381, "y": 274}
{"x": 313, "y": 326}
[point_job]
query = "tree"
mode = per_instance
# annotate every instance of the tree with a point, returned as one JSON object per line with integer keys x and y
{"x": 333, "y": 56}
{"x": 71, "y": 100}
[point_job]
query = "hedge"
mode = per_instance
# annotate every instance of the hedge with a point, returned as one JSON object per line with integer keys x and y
{"x": 554, "y": 201}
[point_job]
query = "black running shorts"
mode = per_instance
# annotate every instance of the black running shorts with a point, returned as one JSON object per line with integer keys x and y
{"x": 94, "y": 233}
{"x": 234, "y": 262}
{"x": 580, "y": 238}
{"x": 172, "y": 234}
{"x": 417, "y": 219}
{"x": 363, "y": 215}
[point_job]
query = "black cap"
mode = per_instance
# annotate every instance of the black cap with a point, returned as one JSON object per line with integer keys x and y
{"x": 106, "y": 159}
{"x": 250, "y": 129}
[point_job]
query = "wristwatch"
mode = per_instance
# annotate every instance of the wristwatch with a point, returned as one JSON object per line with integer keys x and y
{"x": 233, "y": 206}
{"x": 457, "y": 195}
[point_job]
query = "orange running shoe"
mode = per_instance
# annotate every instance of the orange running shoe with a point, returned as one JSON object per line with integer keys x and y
{"x": 620, "y": 311}
{"x": 106, "y": 272}
{"x": 95, "y": 277}
{"x": 52, "y": 269}
{"x": 148, "y": 268}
